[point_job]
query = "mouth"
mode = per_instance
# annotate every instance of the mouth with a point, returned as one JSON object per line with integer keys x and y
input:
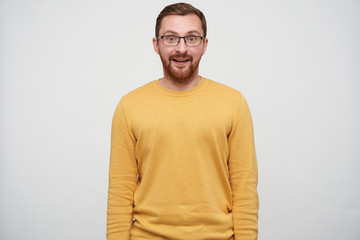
{"x": 181, "y": 61}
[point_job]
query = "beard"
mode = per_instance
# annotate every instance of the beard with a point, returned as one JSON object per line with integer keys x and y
{"x": 180, "y": 75}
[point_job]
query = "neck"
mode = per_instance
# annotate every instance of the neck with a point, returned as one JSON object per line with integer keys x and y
{"x": 172, "y": 84}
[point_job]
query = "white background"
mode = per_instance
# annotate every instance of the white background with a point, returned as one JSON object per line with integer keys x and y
{"x": 65, "y": 65}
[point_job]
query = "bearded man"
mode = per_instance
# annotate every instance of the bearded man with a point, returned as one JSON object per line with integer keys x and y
{"x": 183, "y": 162}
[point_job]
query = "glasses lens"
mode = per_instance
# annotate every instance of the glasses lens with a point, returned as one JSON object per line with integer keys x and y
{"x": 193, "y": 41}
{"x": 170, "y": 40}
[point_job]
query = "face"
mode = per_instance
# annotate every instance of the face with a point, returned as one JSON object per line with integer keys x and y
{"x": 180, "y": 63}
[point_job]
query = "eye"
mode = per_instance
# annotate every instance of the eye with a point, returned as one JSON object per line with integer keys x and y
{"x": 191, "y": 38}
{"x": 171, "y": 38}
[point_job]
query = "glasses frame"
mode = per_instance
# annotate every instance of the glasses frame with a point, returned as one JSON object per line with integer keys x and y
{"x": 162, "y": 37}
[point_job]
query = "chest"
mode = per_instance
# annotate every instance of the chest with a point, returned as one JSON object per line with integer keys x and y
{"x": 183, "y": 118}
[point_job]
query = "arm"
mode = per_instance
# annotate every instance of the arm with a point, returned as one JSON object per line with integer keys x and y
{"x": 243, "y": 175}
{"x": 122, "y": 178}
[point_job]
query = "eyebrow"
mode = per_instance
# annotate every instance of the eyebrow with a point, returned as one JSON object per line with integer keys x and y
{"x": 193, "y": 32}
{"x": 187, "y": 34}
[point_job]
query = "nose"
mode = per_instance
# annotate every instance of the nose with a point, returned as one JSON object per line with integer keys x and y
{"x": 181, "y": 47}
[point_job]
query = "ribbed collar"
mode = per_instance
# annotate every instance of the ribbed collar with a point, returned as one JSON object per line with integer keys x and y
{"x": 159, "y": 87}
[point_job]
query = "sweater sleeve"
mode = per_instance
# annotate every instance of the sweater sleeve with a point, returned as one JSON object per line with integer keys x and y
{"x": 243, "y": 175}
{"x": 122, "y": 178}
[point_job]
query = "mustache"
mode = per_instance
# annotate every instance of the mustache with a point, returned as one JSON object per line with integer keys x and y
{"x": 182, "y": 56}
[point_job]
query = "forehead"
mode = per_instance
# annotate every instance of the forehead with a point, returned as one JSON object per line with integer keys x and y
{"x": 181, "y": 24}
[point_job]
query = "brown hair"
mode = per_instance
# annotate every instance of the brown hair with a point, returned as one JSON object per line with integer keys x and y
{"x": 179, "y": 9}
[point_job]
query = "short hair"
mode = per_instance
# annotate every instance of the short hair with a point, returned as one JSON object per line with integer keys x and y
{"x": 179, "y": 9}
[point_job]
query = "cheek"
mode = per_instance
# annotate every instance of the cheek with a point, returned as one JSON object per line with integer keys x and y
{"x": 166, "y": 53}
{"x": 197, "y": 54}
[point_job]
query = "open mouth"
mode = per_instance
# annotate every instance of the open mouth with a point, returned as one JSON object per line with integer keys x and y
{"x": 177, "y": 60}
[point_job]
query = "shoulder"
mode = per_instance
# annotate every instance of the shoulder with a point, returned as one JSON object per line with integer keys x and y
{"x": 223, "y": 91}
{"x": 139, "y": 92}
{"x": 137, "y": 95}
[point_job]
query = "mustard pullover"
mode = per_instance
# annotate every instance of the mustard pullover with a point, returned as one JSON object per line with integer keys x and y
{"x": 182, "y": 165}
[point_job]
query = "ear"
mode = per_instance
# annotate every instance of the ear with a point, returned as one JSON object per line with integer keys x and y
{"x": 156, "y": 45}
{"x": 205, "y": 46}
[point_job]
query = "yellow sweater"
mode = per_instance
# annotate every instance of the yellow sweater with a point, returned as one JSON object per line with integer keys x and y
{"x": 182, "y": 165}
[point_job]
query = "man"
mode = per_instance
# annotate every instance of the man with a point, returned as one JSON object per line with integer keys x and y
{"x": 183, "y": 162}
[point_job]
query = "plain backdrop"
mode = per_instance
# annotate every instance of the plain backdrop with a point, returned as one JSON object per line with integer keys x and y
{"x": 65, "y": 65}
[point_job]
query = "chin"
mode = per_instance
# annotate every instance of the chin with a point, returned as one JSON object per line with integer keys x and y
{"x": 183, "y": 75}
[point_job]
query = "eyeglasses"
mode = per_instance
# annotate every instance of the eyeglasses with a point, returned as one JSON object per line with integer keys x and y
{"x": 190, "y": 41}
